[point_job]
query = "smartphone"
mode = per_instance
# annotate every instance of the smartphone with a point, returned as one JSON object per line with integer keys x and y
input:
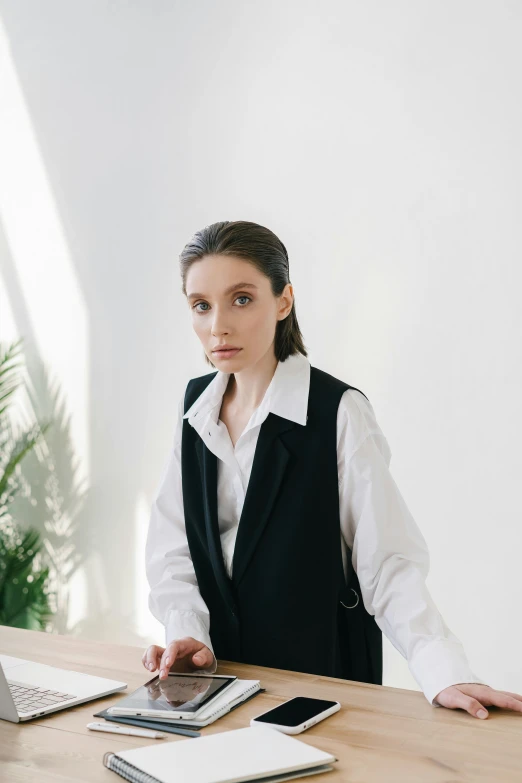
{"x": 296, "y": 715}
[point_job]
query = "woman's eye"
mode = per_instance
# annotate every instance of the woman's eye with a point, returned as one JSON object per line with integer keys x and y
{"x": 205, "y": 304}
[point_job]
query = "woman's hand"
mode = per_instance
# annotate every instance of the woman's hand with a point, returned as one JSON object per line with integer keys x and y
{"x": 182, "y": 655}
{"x": 473, "y": 697}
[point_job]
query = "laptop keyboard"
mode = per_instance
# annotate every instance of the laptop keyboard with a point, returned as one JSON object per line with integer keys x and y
{"x": 28, "y": 698}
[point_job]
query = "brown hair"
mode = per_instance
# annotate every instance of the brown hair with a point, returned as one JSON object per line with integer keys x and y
{"x": 264, "y": 250}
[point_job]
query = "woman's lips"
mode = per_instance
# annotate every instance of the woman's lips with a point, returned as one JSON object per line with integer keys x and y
{"x": 226, "y": 354}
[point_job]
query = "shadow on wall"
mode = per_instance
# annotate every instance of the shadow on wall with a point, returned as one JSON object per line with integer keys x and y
{"x": 55, "y": 501}
{"x": 52, "y": 496}
{"x": 93, "y": 564}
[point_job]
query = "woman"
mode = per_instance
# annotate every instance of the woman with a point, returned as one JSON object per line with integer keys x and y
{"x": 278, "y": 536}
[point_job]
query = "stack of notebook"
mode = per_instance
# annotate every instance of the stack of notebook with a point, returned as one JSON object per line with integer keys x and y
{"x": 238, "y": 693}
{"x": 254, "y": 753}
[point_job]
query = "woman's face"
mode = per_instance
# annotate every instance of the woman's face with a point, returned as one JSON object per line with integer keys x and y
{"x": 232, "y": 304}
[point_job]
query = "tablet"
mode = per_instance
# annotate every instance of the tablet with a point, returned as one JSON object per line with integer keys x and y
{"x": 178, "y": 696}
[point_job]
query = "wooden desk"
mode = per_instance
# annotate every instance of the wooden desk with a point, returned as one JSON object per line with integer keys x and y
{"x": 380, "y": 735}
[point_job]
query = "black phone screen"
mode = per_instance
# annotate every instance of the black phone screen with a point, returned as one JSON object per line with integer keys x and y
{"x": 295, "y": 711}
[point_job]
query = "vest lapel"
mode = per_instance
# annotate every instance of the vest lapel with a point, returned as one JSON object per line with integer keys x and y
{"x": 268, "y": 468}
{"x": 208, "y": 466}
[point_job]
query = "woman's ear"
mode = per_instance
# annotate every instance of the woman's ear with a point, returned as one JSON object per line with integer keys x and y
{"x": 286, "y": 301}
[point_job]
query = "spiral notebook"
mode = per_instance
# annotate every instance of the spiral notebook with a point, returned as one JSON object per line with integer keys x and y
{"x": 251, "y": 754}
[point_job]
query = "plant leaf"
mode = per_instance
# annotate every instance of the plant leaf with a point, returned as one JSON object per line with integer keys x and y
{"x": 10, "y": 378}
{"x": 24, "y": 443}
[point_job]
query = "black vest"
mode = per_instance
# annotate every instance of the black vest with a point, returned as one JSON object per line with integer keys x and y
{"x": 287, "y": 605}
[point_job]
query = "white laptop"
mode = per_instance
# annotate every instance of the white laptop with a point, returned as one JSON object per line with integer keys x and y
{"x": 28, "y": 690}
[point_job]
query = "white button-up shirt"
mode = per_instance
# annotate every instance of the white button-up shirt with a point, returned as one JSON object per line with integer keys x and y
{"x": 389, "y": 552}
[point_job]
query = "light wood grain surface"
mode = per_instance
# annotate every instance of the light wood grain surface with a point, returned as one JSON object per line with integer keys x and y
{"x": 381, "y": 734}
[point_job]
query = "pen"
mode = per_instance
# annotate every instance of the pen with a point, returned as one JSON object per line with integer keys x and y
{"x": 134, "y": 732}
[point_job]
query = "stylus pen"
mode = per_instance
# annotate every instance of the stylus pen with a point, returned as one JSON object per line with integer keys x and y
{"x": 123, "y": 722}
{"x": 132, "y": 731}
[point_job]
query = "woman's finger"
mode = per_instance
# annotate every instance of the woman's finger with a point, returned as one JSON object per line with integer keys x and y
{"x": 151, "y": 659}
{"x": 456, "y": 699}
{"x": 144, "y": 657}
{"x": 505, "y": 700}
{"x": 157, "y": 658}
{"x": 172, "y": 652}
{"x": 154, "y": 658}
{"x": 181, "y": 648}
{"x": 475, "y": 708}
{"x": 516, "y": 696}
{"x": 203, "y": 658}
{"x": 491, "y": 697}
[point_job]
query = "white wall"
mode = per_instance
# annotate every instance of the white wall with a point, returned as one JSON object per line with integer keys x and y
{"x": 380, "y": 141}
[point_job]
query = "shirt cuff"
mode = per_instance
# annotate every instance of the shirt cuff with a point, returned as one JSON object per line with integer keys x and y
{"x": 180, "y": 624}
{"x": 438, "y": 665}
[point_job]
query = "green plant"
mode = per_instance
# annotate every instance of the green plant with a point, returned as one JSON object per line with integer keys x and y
{"x": 24, "y": 600}
{"x": 24, "y": 596}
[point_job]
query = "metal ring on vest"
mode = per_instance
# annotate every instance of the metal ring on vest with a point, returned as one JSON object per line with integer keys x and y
{"x": 355, "y": 604}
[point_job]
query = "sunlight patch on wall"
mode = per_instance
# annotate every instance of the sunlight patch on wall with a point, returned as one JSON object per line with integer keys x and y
{"x": 146, "y": 624}
{"x": 8, "y": 330}
{"x": 78, "y": 589}
{"x": 38, "y": 251}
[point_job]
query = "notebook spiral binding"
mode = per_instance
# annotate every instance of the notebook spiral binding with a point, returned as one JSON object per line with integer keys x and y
{"x": 126, "y": 770}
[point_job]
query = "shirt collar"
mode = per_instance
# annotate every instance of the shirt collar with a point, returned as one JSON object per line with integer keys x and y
{"x": 286, "y": 395}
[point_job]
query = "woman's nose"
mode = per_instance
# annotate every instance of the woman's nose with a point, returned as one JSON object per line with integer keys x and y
{"x": 219, "y": 326}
